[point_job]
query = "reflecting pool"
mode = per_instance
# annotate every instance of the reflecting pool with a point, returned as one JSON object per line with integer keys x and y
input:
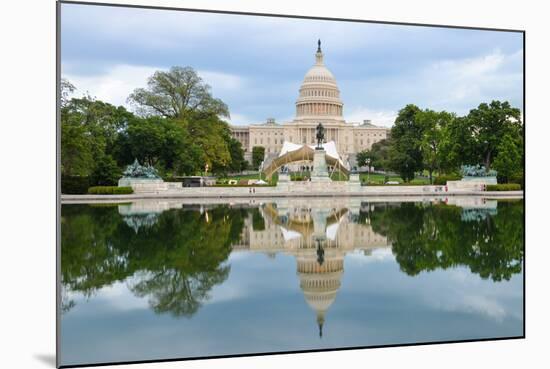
{"x": 174, "y": 279}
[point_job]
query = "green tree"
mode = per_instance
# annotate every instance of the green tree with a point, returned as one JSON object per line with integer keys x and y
{"x": 508, "y": 161}
{"x": 106, "y": 172}
{"x": 378, "y": 155}
{"x": 490, "y": 123}
{"x": 363, "y": 157}
{"x": 457, "y": 146}
{"x": 76, "y": 153}
{"x": 433, "y": 124}
{"x": 211, "y": 135}
{"x": 143, "y": 140}
{"x": 89, "y": 131}
{"x": 67, "y": 88}
{"x": 160, "y": 142}
{"x": 258, "y": 153}
{"x": 175, "y": 94}
{"x": 405, "y": 155}
{"x": 238, "y": 163}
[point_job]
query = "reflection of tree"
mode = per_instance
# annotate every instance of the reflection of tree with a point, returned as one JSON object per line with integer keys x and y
{"x": 89, "y": 259}
{"x": 173, "y": 291}
{"x": 435, "y": 236}
{"x": 175, "y": 261}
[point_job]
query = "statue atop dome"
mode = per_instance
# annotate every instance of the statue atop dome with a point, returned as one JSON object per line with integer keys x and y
{"x": 319, "y": 54}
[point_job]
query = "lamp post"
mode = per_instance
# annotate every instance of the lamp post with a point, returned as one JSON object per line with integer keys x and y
{"x": 368, "y": 169}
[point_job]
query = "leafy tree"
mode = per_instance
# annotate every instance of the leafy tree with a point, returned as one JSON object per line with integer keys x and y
{"x": 258, "y": 153}
{"x": 76, "y": 153}
{"x": 211, "y": 135}
{"x": 508, "y": 162}
{"x": 378, "y": 155}
{"x": 106, "y": 172}
{"x": 457, "y": 145}
{"x": 67, "y": 88}
{"x": 143, "y": 140}
{"x": 363, "y": 157}
{"x": 160, "y": 142}
{"x": 89, "y": 131}
{"x": 490, "y": 123}
{"x": 238, "y": 163}
{"x": 406, "y": 137}
{"x": 175, "y": 94}
{"x": 433, "y": 124}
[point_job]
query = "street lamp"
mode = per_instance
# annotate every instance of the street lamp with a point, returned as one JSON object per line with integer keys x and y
{"x": 368, "y": 169}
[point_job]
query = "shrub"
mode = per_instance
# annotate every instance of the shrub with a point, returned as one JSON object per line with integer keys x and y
{"x": 442, "y": 180}
{"x": 518, "y": 178}
{"x": 504, "y": 187}
{"x": 106, "y": 172}
{"x": 110, "y": 190}
{"x": 74, "y": 185}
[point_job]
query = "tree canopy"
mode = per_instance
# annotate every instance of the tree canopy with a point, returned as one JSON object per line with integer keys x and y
{"x": 442, "y": 142}
{"x": 177, "y": 93}
{"x": 99, "y": 139}
{"x": 405, "y": 152}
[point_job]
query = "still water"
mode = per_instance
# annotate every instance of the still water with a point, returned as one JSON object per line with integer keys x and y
{"x": 166, "y": 279}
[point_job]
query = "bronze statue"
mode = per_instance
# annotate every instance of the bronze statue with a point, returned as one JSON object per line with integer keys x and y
{"x": 320, "y": 136}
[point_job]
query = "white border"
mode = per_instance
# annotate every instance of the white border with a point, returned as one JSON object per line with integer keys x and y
{"x": 27, "y": 185}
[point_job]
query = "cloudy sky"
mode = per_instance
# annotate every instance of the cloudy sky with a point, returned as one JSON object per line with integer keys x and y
{"x": 256, "y": 64}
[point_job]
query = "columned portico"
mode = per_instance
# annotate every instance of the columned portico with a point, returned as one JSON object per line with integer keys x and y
{"x": 318, "y": 101}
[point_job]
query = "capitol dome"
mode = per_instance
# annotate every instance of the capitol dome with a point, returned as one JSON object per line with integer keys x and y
{"x": 319, "y": 94}
{"x": 320, "y": 282}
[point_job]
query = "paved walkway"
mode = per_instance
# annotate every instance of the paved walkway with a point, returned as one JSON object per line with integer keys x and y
{"x": 271, "y": 192}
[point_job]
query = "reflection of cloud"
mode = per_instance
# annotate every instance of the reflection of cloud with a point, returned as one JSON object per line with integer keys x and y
{"x": 359, "y": 257}
{"x": 116, "y": 296}
{"x": 476, "y": 304}
{"x": 236, "y": 256}
{"x": 227, "y": 292}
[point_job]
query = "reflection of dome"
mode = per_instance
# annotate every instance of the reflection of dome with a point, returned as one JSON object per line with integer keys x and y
{"x": 320, "y": 282}
{"x": 319, "y": 93}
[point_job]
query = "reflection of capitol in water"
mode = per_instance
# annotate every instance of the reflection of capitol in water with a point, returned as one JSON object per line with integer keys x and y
{"x": 318, "y": 235}
{"x": 317, "y": 232}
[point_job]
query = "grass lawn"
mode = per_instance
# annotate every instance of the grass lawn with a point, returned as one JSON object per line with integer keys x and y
{"x": 379, "y": 179}
{"x": 375, "y": 178}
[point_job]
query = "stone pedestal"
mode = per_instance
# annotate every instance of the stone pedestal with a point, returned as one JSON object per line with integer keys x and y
{"x": 320, "y": 170}
{"x": 143, "y": 185}
{"x": 284, "y": 178}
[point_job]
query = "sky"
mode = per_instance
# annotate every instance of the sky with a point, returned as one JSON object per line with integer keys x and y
{"x": 256, "y": 64}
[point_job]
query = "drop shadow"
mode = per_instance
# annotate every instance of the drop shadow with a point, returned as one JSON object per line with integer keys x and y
{"x": 48, "y": 359}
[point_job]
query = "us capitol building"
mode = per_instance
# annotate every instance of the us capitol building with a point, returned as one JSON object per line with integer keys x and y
{"x": 318, "y": 102}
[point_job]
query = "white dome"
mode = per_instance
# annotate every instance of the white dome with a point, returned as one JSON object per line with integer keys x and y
{"x": 319, "y": 73}
{"x": 319, "y": 94}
